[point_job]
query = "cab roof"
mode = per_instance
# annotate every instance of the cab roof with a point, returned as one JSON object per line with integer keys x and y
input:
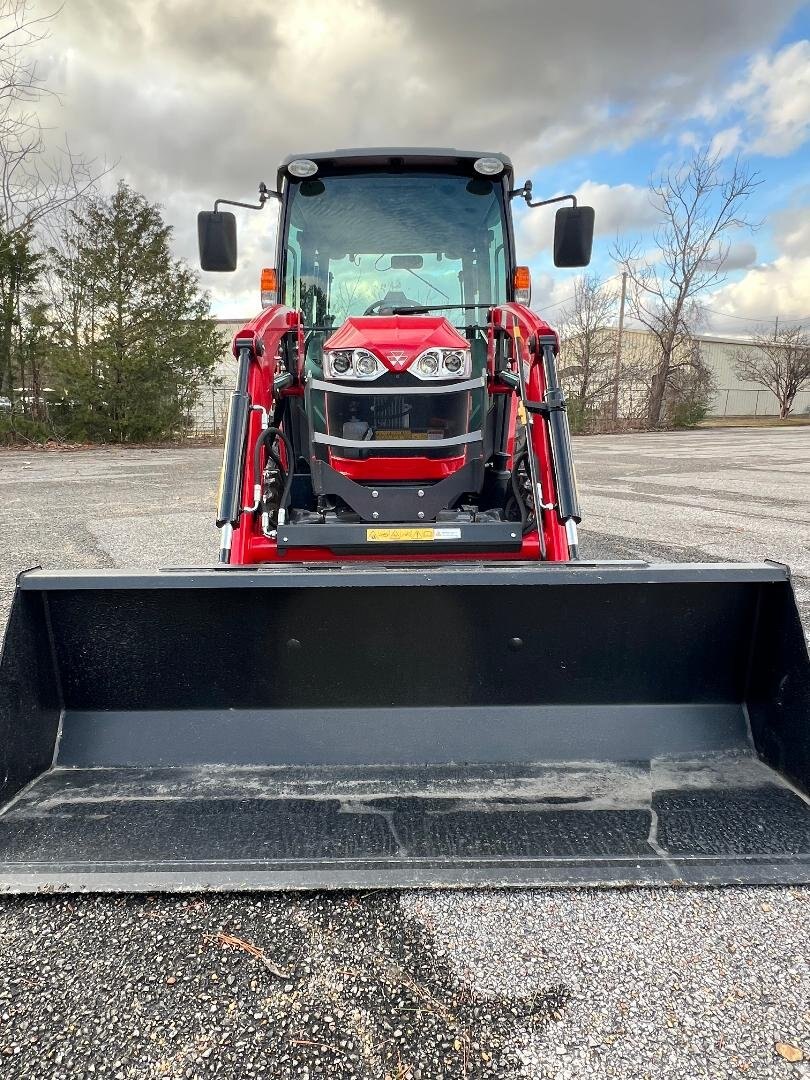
{"x": 387, "y": 157}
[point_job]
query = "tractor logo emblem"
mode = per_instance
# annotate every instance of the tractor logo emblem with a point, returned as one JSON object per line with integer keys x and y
{"x": 397, "y": 358}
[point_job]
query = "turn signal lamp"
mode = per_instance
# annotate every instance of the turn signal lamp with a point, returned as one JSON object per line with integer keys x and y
{"x": 269, "y": 287}
{"x": 523, "y": 285}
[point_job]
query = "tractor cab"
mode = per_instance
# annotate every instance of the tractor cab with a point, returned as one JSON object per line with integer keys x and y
{"x": 390, "y": 264}
{"x": 393, "y": 270}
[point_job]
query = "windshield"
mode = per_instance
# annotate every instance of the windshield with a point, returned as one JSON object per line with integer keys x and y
{"x": 367, "y": 244}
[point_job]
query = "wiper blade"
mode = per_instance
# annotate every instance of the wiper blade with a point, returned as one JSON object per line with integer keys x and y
{"x": 424, "y": 310}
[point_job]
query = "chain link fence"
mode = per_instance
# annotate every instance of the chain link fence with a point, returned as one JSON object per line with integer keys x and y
{"x": 210, "y": 414}
{"x": 739, "y": 402}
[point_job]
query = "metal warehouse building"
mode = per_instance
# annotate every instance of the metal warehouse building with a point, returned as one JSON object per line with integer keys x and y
{"x": 732, "y": 396}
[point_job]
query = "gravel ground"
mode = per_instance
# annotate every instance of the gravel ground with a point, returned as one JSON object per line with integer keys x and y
{"x": 687, "y": 983}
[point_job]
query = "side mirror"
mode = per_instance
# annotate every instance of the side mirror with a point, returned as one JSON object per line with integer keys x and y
{"x": 216, "y": 236}
{"x": 573, "y": 235}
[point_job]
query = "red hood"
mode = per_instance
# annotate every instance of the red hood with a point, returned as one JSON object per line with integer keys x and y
{"x": 396, "y": 340}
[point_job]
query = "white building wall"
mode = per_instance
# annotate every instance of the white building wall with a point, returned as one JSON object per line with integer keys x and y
{"x": 225, "y": 371}
{"x": 211, "y": 410}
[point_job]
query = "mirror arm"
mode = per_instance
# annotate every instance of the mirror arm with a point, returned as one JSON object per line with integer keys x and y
{"x": 545, "y": 202}
{"x": 264, "y": 194}
{"x": 525, "y": 192}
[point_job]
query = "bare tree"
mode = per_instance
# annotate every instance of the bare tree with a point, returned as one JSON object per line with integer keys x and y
{"x": 700, "y": 206}
{"x": 33, "y": 181}
{"x": 69, "y": 292}
{"x": 588, "y": 345}
{"x": 781, "y": 363}
{"x": 36, "y": 183}
{"x": 19, "y": 29}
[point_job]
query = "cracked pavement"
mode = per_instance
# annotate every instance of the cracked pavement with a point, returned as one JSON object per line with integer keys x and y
{"x": 657, "y": 983}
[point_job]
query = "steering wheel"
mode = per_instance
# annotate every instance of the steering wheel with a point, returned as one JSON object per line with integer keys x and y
{"x": 387, "y": 304}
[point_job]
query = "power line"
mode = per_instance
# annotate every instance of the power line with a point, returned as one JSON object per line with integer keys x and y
{"x": 755, "y": 318}
{"x": 598, "y": 285}
{"x": 548, "y": 307}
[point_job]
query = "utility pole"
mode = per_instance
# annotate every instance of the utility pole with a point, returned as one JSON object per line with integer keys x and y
{"x": 776, "y": 328}
{"x": 618, "y": 365}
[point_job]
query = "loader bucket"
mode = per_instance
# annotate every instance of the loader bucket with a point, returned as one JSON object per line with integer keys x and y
{"x": 422, "y": 726}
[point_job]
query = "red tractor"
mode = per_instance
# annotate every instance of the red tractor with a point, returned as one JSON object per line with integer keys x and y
{"x": 401, "y": 674}
{"x": 397, "y": 396}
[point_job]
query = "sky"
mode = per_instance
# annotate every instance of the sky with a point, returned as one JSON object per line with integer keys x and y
{"x": 191, "y": 100}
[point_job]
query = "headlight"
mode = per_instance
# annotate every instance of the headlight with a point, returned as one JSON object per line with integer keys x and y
{"x": 443, "y": 364}
{"x": 350, "y": 364}
{"x": 341, "y": 361}
{"x": 428, "y": 362}
{"x": 365, "y": 364}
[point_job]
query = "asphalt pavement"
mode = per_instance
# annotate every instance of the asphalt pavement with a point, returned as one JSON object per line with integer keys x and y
{"x": 658, "y": 983}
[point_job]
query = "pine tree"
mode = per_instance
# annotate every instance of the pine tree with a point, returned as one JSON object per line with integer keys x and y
{"x": 137, "y": 337}
{"x": 20, "y": 267}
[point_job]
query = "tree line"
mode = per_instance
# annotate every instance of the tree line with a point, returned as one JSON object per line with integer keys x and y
{"x": 663, "y": 380}
{"x": 104, "y": 334}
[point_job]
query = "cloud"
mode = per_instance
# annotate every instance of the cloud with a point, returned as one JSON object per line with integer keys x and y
{"x": 781, "y": 288}
{"x": 792, "y": 232}
{"x": 551, "y": 292}
{"x": 775, "y": 96}
{"x": 725, "y": 142}
{"x": 733, "y": 257}
{"x": 690, "y": 139}
{"x": 196, "y": 100}
{"x": 619, "y": 209}
{"x": 739, "y": 256}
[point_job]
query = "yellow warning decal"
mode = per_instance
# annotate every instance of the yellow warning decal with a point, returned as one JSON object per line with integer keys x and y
{"x": 388, "y": 536}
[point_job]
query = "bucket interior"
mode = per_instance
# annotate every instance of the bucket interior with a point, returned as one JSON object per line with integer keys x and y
{"x": 355, "y": 729}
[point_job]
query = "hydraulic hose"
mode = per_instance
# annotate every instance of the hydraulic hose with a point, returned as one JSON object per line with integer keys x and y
{"x": 518, "y": 494}
{"x": 268, "y": 436}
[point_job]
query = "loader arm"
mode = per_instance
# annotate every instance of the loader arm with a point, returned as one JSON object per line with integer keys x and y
{"x": 532, "y": 344}
{"x": 268, "y": 351}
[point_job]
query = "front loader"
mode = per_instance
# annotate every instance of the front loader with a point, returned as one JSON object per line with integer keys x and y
{"x": 400, "y": 672}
